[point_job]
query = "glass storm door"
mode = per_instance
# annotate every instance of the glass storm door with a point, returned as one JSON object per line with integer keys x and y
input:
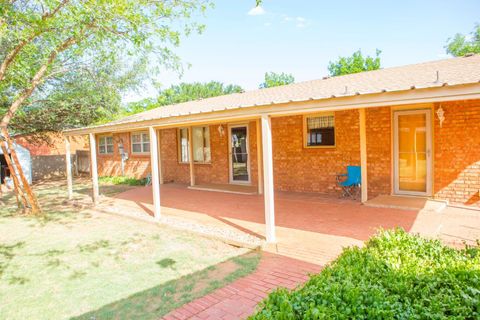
{"x": 239, "y": 154}
{"x": 412, "y": 153}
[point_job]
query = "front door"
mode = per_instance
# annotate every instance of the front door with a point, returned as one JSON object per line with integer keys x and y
{"x": 412, "y": 152}
{"x": 239, "y": 154}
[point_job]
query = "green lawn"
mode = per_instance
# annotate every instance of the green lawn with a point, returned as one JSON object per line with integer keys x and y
{"x": 97, "y": 266}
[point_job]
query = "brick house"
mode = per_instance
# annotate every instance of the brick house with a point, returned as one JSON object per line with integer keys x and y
{"x": 414, "y": 131}
{"x": 48, "y": 154}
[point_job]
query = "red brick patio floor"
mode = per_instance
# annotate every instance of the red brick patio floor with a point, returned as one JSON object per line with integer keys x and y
{"x": 239, "y": 299}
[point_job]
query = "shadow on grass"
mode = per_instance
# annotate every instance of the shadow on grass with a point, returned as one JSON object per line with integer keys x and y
{"x": 7, "y": 253}
{"x": 156, "y": 302}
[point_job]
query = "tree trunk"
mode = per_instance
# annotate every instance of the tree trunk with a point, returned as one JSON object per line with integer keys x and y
{"x": 26, "y": 186}
{"x": 37, "y": 78}
{"x": 16, "y": 185}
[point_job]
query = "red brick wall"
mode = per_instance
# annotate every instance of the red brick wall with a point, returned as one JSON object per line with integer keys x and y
{"x": 215, "y": 172}
{"x": 137, "y": 166}
{"x": 56, "y": 145}
{"x": 313, "y": 169}
{"x": 457, "y": 152}
{"x": 379, "y": 150}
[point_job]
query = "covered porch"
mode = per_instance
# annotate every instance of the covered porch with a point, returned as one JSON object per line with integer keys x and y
{"x": 389, "y": 124}
{"x": 308, "y": 227}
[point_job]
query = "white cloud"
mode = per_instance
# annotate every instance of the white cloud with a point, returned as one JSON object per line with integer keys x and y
{"x": 257, "y": 11}
{"x": 267, "y": 24}
{"x": 300, "y": 22}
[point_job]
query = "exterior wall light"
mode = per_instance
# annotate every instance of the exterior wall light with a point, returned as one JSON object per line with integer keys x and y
{"x": 441, "y": 115}
{"x": 221, "y": 130}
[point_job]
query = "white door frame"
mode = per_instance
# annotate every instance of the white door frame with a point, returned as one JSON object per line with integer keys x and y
{"x": 230, "y": 166}
{"x": 396, "y": 182}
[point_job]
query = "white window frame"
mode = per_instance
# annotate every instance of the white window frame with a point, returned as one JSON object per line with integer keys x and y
{"x": 102, "y": 142}
{"x": 305, "y": 130}
{"x": 396, "y": 150}
{"x": 141, "y": 143}
{"x": 230, "y": 164}
{"x": 187, "y": 156}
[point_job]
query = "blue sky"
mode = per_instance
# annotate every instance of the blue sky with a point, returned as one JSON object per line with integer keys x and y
{"x": 300, "y": 37}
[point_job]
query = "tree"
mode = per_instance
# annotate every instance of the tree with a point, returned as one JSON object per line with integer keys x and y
{"x": 43, "y": 40}
{"x": 273, "y": 79}
{"x": 183, "y": 92}
{"x": 354, "y": 64}
{"x": 461, "y": 45}
{"x": 79, "y": 98}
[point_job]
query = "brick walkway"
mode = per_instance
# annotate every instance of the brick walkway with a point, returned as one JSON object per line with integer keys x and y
{"x": 239, "y": 299}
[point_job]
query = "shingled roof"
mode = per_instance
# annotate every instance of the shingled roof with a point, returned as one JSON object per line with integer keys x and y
{"x": 453, "y": 71}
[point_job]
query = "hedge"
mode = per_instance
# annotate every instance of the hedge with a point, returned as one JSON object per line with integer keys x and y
{"x": 396, "y": 275}
{"x": 122, "y": 180}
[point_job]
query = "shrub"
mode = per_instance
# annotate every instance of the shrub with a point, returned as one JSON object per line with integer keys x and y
{"x": 394, "y": 276}
{"x": 123, "y": 180}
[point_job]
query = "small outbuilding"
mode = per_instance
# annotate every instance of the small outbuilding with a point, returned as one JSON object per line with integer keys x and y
{"x": 25, "y": 160}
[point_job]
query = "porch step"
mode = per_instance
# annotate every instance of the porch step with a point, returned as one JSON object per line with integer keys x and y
{"x": 406, "y": 203}
{"x": 226, "y": 188}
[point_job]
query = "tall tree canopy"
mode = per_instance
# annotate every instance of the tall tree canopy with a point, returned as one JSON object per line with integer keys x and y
{"x": 48, "y": 46}
{"x": 354, "y": 64}
{"x": 181, "y": 93}
{"x": 461, "y": 45}
{"x": 273, "y": 79}
{"x": 45, "y": 43}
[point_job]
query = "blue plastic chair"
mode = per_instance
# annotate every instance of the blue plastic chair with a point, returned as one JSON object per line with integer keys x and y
{"x": 351, "y": 184}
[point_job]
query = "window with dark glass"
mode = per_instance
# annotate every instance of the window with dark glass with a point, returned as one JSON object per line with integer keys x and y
{"x": 105, "y": 145}
{"x": 320, "y": 131}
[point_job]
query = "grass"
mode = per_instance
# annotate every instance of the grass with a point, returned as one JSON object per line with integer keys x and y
{"x": 82, "y": 265}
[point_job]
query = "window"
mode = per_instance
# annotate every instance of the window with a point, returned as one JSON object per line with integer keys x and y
{"x": 140, "y": 142}
{"x": 105, "y": 145}
{"x": 201, "y": 145}
{"x": 183, "y": 144}
{"x": 320, "y": 131}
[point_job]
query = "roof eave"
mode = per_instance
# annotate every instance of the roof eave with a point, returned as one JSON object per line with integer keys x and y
{"x": 413, "y": 95}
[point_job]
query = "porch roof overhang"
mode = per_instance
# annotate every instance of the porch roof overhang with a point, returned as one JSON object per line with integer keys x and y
{"x": 437, "y": 81}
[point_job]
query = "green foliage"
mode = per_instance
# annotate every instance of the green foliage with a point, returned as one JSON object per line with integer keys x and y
{"x": 461, "y": 45}
{"x": 183, "y": 92}
{"x": 273, "y": 79}
{"x": 102, "y": 47}
{"x": 122, "y": 180}
{"x": 395, "y": 276}
{"x": 354, "y": 64}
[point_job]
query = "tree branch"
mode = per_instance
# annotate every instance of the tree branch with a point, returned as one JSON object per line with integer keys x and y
{"x": 37, "y": 78}
{"x": 12, "y": 54}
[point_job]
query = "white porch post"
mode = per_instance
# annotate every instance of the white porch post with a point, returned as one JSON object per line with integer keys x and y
{"x": 190, "y": 156}
{"x": 68, "y": 165}
{"x": 268, "y": 178}
{"x": 93, "y": 168}
{"x": 160, "y": 170}
{"x": 258, "y": 131}
{"x": 363, "y": 154}
{"x": 155, "y": 166}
